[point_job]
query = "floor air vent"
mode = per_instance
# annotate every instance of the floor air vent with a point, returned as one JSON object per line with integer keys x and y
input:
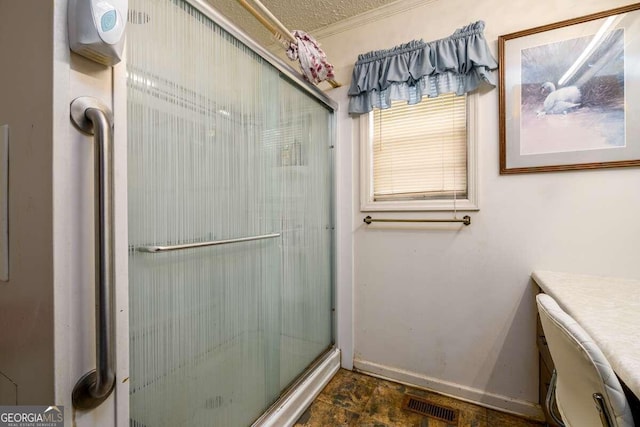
{"x": 423, "y": 407}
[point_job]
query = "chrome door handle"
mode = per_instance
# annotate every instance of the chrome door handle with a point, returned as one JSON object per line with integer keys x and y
{"x": 93, "y": 117}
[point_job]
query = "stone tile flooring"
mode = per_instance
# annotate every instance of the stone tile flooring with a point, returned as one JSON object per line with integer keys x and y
{"x": 352, "y": 399}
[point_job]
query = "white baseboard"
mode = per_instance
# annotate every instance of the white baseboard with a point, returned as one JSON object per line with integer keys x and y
{"x": 472, "y": 395}
{"x": 291, "y": 406}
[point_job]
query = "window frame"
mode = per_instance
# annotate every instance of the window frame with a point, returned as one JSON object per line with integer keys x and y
{"x": 469, "y": 203}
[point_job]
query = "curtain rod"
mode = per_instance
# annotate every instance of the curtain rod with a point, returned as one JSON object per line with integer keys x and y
{"x": 466, "y": 220}
{"x": 275, "y": 27}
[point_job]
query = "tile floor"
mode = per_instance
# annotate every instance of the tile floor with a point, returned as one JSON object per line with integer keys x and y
{"x": 353, "y": 399}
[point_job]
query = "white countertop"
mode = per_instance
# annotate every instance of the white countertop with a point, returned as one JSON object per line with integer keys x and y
{"x": 609, "y": 310}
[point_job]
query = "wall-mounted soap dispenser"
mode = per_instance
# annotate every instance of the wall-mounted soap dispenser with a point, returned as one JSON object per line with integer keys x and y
{"x": 97, "y": 29}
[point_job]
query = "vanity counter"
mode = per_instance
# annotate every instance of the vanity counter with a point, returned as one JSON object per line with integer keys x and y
{"x": 609, "y": 310}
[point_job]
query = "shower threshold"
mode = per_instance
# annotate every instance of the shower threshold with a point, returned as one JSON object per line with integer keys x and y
{"x": 297, "y": 398}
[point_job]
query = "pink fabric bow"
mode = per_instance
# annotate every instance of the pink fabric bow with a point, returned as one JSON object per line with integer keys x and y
{"x": 313, "y": 61}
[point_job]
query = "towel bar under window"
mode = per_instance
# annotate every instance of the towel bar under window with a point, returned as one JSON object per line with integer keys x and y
{"x": 466, "y": 220}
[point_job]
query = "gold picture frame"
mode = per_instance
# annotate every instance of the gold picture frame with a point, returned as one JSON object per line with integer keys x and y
{"x": 570, "y": 94}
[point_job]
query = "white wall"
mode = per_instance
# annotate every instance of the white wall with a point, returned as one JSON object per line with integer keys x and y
{"x": 73, "y": 228}
{"x": 452, "y": 308}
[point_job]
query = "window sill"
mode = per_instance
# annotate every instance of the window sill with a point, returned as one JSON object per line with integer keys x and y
{"x": 418, "y": 206}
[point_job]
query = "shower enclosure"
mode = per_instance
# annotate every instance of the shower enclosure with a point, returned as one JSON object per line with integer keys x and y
{"x": 230, "y": 220}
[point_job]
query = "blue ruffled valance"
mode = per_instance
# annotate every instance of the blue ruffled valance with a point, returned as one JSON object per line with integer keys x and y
{"x": 459, "y": 63}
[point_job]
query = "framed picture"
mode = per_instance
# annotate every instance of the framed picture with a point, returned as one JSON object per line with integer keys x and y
{"x": 570, "y": 94}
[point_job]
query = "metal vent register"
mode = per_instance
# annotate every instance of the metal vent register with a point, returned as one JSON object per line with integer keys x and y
{"x": 424, "y": 407}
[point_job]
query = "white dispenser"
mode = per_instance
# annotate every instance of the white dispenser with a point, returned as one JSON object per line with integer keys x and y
{"x": 97, "y": 28}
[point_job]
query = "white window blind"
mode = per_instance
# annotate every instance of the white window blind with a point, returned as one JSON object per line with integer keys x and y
{"x": 420, "y": 151}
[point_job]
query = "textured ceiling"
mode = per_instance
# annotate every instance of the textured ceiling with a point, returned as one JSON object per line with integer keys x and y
{"x": 305, "y": 15}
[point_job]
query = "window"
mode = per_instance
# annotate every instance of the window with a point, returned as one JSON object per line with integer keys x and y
{"x": 420, "y": 157}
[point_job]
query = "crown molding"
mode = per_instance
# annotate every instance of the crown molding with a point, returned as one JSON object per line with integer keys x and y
{"x": 368, "y": 17}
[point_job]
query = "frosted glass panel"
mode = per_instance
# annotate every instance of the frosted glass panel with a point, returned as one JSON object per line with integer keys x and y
{"x": 305, "y": 223}
{"x": 221, "y": 146}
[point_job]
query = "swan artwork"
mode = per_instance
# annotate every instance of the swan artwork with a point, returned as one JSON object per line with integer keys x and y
{"x": 559, "y": 101}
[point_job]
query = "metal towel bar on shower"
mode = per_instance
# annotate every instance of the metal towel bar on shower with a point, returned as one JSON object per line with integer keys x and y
{"x": 154, "y": 249}
{"x": 466, "y": 220}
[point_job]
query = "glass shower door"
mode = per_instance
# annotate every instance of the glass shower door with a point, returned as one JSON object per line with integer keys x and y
{"x": 303, "y": 172}
{"x": 221, "y": 148}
